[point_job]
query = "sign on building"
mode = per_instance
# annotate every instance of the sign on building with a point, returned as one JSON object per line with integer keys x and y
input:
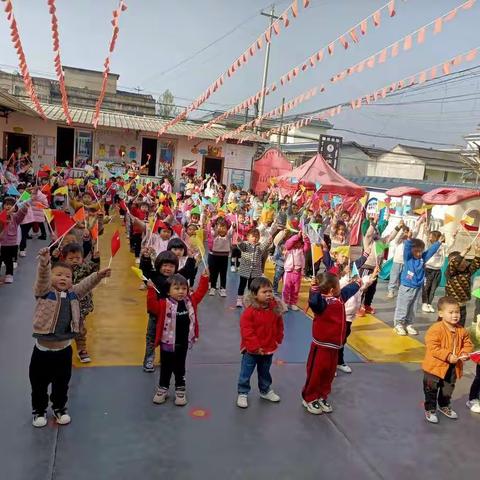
{"x": 329, "y": 147}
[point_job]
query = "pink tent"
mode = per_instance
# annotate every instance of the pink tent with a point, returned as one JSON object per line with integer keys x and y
{"x": 317, "y": 172}
{"x": 271, "y": 164}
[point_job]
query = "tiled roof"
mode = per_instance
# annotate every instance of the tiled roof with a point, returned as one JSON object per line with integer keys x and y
{"x": 10, "y": 102}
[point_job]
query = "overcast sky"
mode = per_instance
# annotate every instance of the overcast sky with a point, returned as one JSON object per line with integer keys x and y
{"x": 155, "y": 35}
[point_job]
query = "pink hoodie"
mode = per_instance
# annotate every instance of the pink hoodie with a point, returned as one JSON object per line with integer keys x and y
{"x": 295, "y": 257}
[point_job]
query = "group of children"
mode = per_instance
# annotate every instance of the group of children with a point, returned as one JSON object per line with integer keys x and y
{"x": 167, "y": 235}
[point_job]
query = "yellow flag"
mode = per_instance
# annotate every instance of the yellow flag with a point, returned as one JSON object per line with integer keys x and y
{"x": 161, "y": 197}
{"x": 200, "y": 235}
{"x": 273, "y": 180}
{"x": 196, "y": 242}
{"x": 344, "y": 249}
{"x": 420, "y": 211}
{"x": 61, "y": 191}
{"x": 159, "y": 209}
{"x": 174, "y": 199}
{"x": 138, "y": 273}
{"x": 140, "y": 188}
{"x": 48, "y": 214}
{"x": 448, "y": 219}
{"x": 317, "y": 253}
{"x": 78, "y": 181}
{"x": 127, "y": 186}
{"x": 468, "y": 220}
{"x": 232, "y": 207}
{"x": 363, "y": 200}
{"x": 381, "y": 205}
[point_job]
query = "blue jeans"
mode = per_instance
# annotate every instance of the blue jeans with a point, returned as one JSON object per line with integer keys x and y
{"x": 247, "y": 367}
{"x": 395, "y": 273}
{"x": 407, "y": 301}
{"x": 279, "y": 271}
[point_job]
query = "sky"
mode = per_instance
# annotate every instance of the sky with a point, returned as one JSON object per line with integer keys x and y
{"x": 156, "y": 35}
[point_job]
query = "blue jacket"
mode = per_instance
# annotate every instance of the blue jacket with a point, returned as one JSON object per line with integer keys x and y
{"x": 413, "y": 273}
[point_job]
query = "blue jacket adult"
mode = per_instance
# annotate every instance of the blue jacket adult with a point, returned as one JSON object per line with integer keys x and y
{"x": 413, "y": 273}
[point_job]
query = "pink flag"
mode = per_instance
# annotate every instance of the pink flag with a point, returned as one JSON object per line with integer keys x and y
{"x": 353, "y": 35}
{"x": 371, "y": 62}
{"x": 376, "y": 18}
{"x": 433, "y": 73}
{"x": 320, "y": 55}
{"x": 395, "y": 49}
{"x": 330, "y": 48}
{"x": 286, "y": 21}
{"x": 407, "y": 44}
{"x": 471, "y": 55}
{"x": 450, "y": 16}
{"x": 276, "y": 27}
{"x": 469, "y": 4}
{"x": 383, "y": 56}
{"x": 421, "y": 35}
{"x": 438, "y": 25}
{"x": 343, "y": 42}
{"x": 363, "y": 27}
{"x": 446, "y": 68}
{"x": 294, "y": 7}
{"x": 391, "y": 8}
{"x": 306, "y": 3}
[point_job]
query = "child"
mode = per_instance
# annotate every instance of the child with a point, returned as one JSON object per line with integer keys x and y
{"x": 411, "y": 282}
{"x": 219, "y": 243}
{"x": 459, "y": 278}
{"x": 402, "y": 232}
{"x": 186, "y": 265}
{"x": 138, "y": 215}
{"x": 278, "y": 258}
{"x": 166, "y": 265}
{"x": 55, "y": 323}
{"x": 474, "y": 396}
{"x": 327, "y": 302}
{"x": 176, "y": 332}
{"x": 251, "y": 261}
{"x": 9, "y": 236}
{"x": 294, "y": 263}
{"x": 261, "y": 330}
{"x": 433, "y": 272}
{"x": 72, "y": 255}
{"x": 447, "y": 346}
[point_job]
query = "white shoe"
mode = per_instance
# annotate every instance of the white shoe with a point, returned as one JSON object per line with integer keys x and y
{"x": 411, "y": 330}
{"x": 39, "y": 420}
{"x": 294, "y": 308}
{"x": 223, "y": 292}
{"x": 431, "y": 309}
{"x": 15, "y": 265}
{"x": 62, "y": 417}
{"x": 313, "y": 407}
{"x": 425, "y": 308}
{"x": 242, "y": 400}
{"x": 431, "y": 417}
{"x": 22, "y": 253}
{"x": 474, "y": 405}
{"x": 8, "y": 279}
{"x": 390, "y": 295}
{"x": 325, "y": 406}
{"x": 345, "y": 368}
{"x": 448, "y": 412}
{"x": 233, "y": 268}
{"x": 239, "y": 302}
{"x": 212, "y": 292}
{"x": 160, "y": 396}
{"x": 400, "y": 330}
{"x": 137, "y": 261}
{"x": 270, "y": 396}
{"x": 180, "y": 398}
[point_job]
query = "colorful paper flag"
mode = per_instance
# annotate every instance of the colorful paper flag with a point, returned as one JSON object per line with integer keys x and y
{"x": 138, "y": 273}
{"x": 63, "y": 222}
{"x": 61, "y": 191}
{"x": 342, "y": 249}
{"x": 448, "y": 219}
{"x": 94, "y": 231}
{"x": 475, "y": 357}
{"x": 79, "y": 215}
{"x": 468, "y": 220}
{"x": 12, "y": 191}
{"x": 25, "y": 197}
{"x": 47, "y": 212}
{"x": 355, "y": 272}
{"x": 476, "y": 293}
{"x": 115, "y": 243}
{"x": 317, "y": 252}
{"x": 3, "y": 216}
{"x": 177, "y": 229}
{"x": 380, "y": 247}
{"x": 46, "y": 188}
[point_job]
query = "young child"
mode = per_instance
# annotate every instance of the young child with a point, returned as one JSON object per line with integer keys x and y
{"x": 294, "y": 263}
{"x": 176, "y": 331}
{"x": 474, "y": 396}
{"x": 219, "y": 244}
{"x": 56, "y": 322}
{"x": 411, "y": 283}
{"x": 251, "y": 261}
{"x": 278, "y": 258}
{"x": 459, "y": 278}
{"x": 186, "y": 265}
{"x": 327, "y": 302}
{"x": 138, "y": 215}
{"x": 166, "y": 265}
{"x": 72, "y": 255}
{"x": 261, "y": 331}
{"x": 448, "y": 345}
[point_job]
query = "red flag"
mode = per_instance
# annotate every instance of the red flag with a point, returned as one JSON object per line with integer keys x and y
{"x": 62, "y": 222}
{"x": 475, "y": 357}
{"x": 46, "y": 188}
{"x": 177, "y": 229}
{"x": 115, "y": 244}
{"x": 3, "y": 216}
{"x": 94, "y": 231}
{"x": 79, "y": 215}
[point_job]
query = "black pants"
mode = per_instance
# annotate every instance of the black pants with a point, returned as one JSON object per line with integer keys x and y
{"x": 432, "y": 281}
{"x": 369, "y": 293}
{"x": 25, "y": 228}
{"x": 136, "y": 242}
{"x": 475, "y": 388}
{"x": 173, "y": 362}
{"x": 218, "y": 265}
{"x": 244, "y": 281}
{"x": 43, "y": 231}
{"x": 341, "y": 360}
{"x": 8, "y": 254}
{"x": 50, "y": 368}
{"x": 438, "y": 389}
{"x": 236, "y": 255}
{"x": 463, "y": 315}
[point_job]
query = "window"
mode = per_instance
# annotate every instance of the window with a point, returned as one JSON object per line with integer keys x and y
{"x": 83, "y": 147}
{"x": 167, "y": 152}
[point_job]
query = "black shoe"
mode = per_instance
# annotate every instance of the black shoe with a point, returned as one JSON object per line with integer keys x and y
{"x": 29, "y": 237}
{"x": 42, "y": 237}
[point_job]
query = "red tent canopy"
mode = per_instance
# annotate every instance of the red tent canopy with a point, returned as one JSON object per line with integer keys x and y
{"x": 449, "y": 196}
{"x": 317, "y": 171}
{"x": 401, "y": 191}
{"x": 271, "y": 164}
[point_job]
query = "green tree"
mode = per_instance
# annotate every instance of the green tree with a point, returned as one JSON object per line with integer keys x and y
{"x": 166, "y": 105}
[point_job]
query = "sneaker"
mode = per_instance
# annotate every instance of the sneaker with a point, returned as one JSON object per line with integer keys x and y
{"x": 448, "y": 412}
{"x": 15, "y": 265}
{"x": 84, "y": 357}
{"x": 62, "y": 417}
{"x": 212, "y": 292}
{"x": 137, "y": 261}
{"x": 39, "y": 420}
{"x": 8, "y": 279}
{"x": 325, "y": 406}
{"x": 400, "y": 330}
{"x": 233, "y": 268}
{"x": 239, "y": 302}
{"x": 344, "y": 368}
{"x": 313, "y": 407}
{"x": 22, "y": 253}
{"x": 474, "y": 405}
{"x": 411, "y": 330}
{"x": 431, "y": 309}
{"x": 390, "y": 295}
{"x": 148, "y": 366}
{"x": 294, "y": 308}
{"x": 242, "y": 400}
{"x": 223, "y": 292}
{"x": 180, "y": 398}
{"x": 160, "y": 396}
{"x": 369, "y": 310}
{"x": 270, "y": 396}
{"x": 425, "y": 308}
{"x": 431, "y": 416}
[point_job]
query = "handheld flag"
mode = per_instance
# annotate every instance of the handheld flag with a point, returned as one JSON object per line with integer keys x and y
{"x": 476, "y": 293}
{"x": 343, "y": 249}
{"x": 380, "y": 247}
{"x": 61, "y": 191}
{"x": 177, "y": 229}
{"x": 25, "y": 197}
{"x": 94, "y": 231}
{"x": 46, "y": 188}
{"x": 48, "y": 215}
{"x": 3, "y": 216}
{"x": 141, "y": 276}
{"x": 468, "y": 220}
{"x": 63, "y": 223}
{"x": 475, "y": 357}
{"x": 317, "y": 253}
{"x": 12, "y": 191}
{"x": 79, "y": 215}
{"x": 355, "y": 272}
{"x": 448, "y": 219}
{"x": 196, "y": 242}
{"x": 115, "y": 243}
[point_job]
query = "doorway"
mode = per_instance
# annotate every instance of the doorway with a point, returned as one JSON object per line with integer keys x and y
{"x": 149, "y": 147}
{"x": 213, "y": 166}
{"x": 65, "y": 146}
{"x": 12, "y": 141}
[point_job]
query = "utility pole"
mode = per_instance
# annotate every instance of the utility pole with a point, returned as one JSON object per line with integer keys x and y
{"x": 280, "y": 133}
{"x": 272, "y": 17}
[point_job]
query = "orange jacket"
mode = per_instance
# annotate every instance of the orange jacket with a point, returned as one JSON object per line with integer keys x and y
{"x": 440, "y": 343}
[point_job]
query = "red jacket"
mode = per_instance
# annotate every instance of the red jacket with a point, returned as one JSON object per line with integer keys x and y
{"x": 141, "y": 215}
{"x": 158, "y": 306}
{"x": 261, "y": 327}
{"x": 329, "y": 322}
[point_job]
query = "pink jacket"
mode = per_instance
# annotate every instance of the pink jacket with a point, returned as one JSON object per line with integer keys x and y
{"x": 28, "y": 216}
{"x": 38, "y": 212}
{"x": 9, "y": 236}
{"x": 295, "y": 257}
